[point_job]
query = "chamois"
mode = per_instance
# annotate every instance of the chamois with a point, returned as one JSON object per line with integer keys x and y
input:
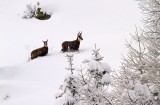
{"x": 72, "y": 45}
{"x": 40, "y": 51}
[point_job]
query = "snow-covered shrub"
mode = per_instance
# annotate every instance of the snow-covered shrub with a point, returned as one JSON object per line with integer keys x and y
{"x": 30, "y": 10}
{"x": 87, "y": 85}
{"x": 36, "y": 10}
{"x": 41, "y": 15}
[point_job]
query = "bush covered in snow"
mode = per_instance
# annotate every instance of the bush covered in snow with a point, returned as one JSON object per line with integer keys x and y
{"x": 36, "y": 10}
{"x": 30, "y": 10}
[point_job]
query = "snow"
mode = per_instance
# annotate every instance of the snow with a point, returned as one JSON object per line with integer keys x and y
{"x": 139, "y": 92}
{"x": 35, "y": 82}
{"x": 142, "y": 90}
{"x": 106, "y": 79}
{"x": 106, "y": 67}
{"x": 47, "y": 6}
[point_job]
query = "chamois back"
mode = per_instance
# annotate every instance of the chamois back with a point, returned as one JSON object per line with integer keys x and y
{"x": 72, "y": 45}
{"x": 40, "y": 51}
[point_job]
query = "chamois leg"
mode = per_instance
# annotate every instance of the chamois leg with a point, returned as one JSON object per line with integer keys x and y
{"x": 33, "y": 56}
{"x": 64, "y": 49}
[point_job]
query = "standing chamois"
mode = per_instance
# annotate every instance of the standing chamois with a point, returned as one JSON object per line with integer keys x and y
{"x": 72, "y": 45}
{"x": 40, "y": 51}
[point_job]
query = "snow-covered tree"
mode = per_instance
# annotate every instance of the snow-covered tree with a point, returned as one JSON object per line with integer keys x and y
{"x": 138, "y": 81}
{"x": 89, "y": 84}
{"x": 151, "y": 33}
{"x": 129, "y": 84}
{"x": 68, "y": 88}
{"x": 96, "y": 81}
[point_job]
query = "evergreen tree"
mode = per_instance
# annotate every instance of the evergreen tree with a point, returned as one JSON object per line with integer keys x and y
{"x": 69, "y": 88}
{"x": 87, "y": 85}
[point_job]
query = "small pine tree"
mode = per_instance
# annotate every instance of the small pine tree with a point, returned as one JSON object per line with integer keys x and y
{"x": 87, "y": 85}
{"x": 97, "y": 56}
{"x": 68, "y": 88}
{"x": 70, "y": 61}
{"x": 96, "y": 81}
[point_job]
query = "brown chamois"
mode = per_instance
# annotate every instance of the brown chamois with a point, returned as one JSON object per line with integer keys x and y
{"x": 72, "y": 45}
{"x": 40, "y": 51}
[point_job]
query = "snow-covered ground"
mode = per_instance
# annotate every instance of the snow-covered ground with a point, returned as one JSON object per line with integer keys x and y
{"x": 23, "y": 82}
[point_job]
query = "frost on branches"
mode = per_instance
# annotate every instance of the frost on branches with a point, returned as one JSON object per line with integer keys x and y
{"x": 87, "y": 85}
{"x": 138, "y": 81}
{"x": 133, "y": 83}
{"x": 30, "y": 10}
{"x": 151, "y": 33}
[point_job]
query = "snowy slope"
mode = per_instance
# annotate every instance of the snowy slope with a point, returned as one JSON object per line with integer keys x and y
{"x": 23, "y": 82}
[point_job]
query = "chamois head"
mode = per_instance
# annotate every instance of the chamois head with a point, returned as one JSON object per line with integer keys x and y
{"x": 79, "y": 36}
{"x": 45, "y": 43}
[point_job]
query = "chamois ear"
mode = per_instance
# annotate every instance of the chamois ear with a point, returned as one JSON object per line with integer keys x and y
{"x": 78, "y": 33}
{"x": 45, "y": 41}
{"x": 81, "y": 32}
